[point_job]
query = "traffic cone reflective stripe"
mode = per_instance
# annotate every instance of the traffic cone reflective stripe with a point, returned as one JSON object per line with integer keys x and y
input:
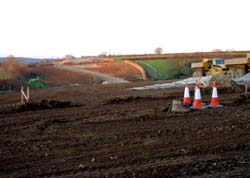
{"x": 215, "y": 98}
{"x": 197, "y": 97}
{"x": 186, "y": 99}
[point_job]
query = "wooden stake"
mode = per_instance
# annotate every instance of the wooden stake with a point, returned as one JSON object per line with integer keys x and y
{"x": 25, "y": 96}
{"x": 21, "y": 94}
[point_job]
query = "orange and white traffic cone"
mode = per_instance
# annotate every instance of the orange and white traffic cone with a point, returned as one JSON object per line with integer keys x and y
{"x": 215, "y": 99}
{"x": 197, "y": 98}
{"x": 186, "y": 99}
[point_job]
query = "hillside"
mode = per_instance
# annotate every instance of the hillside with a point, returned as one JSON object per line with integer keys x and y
{"x": 191, "y": 55}
{"x": 28, "y": 60}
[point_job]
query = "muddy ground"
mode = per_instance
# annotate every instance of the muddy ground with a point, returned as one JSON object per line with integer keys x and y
{"x": 115, "y": 132}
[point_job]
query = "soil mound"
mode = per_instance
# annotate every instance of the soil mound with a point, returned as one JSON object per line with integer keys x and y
{"x": 221, "y": 81}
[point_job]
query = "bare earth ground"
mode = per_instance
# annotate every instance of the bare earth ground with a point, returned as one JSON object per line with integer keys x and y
{"x": 87, "y": 74}
{"x": 101, "y": 76}
{"x": 117, "y": 132}
{"x": 53, "y": 76}
{"x": 118, "y": 69}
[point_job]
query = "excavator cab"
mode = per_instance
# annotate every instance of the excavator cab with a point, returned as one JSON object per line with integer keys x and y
{"x": 218, "y": 61}
{"x": 217, "y": 67}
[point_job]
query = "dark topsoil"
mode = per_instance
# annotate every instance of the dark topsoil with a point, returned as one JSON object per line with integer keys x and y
{"x": 116, "y": 132}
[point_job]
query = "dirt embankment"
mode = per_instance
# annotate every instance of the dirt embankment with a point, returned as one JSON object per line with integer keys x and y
{"x": 86, "y": 73}
{"x": 103, "y": 77}
{"x": 116, "y": 132}
{"x": 53, "y": 76}
{"x": 119, "y": 69}
{"x": 138, "y": 67}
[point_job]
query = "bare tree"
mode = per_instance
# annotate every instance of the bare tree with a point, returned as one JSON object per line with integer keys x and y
{"x": 216, "y": 50}
{"x": 103, "y": 54}
{"x": 158, "y": 50}
{"x": 69, "y": 56}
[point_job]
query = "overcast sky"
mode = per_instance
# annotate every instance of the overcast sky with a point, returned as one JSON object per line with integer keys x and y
{"x": 54, "y": 28}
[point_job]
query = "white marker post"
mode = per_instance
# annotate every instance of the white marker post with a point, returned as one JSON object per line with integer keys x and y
{"x": 25, "y": 96}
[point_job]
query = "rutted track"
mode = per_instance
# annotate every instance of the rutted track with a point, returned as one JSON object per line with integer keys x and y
{"x": 123, "y": 133}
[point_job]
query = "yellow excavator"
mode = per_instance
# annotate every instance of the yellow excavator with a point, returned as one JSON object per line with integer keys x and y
{"x": 233, "y": 68}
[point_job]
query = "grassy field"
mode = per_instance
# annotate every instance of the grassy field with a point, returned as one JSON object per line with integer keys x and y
{"x": 165, "y": 69}
{"x": 155, "y": 69}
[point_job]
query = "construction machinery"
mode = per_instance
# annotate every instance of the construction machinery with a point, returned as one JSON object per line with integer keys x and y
{"x": 233, "y": 68}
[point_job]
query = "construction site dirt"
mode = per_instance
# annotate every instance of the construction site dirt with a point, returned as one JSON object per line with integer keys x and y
{"x": 116, "y": 132}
